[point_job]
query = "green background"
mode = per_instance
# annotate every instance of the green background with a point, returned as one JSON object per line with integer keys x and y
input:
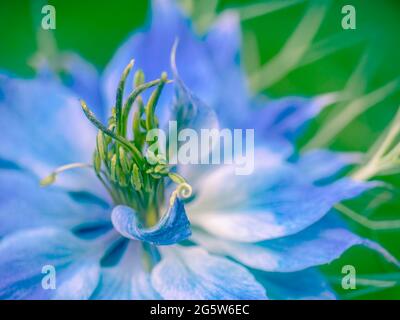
{"x": 94, "y": 29}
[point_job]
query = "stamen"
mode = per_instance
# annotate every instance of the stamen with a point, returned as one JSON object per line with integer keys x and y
{"x": 131, "y": 175}
{"x": 136, "y": 178}
{"x": 101, "y": 145}
{"x": 51, "y": 178}
{"x": 120, "y": 94}
{"x": 133, "y": 96}
{"x": 92, "y": 118}
{"x": 150, "y": 107}
{"x": 138, "y": 78}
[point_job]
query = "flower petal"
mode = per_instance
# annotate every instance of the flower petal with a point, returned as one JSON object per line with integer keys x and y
{"x": 285, "y": 118}
{"x": 43, "y": 127}
{"x": 84, "y": 80}
{"x": 126, "y": 281}
{"x": 214, "y": 71}
{"x": 151, "y": 50}
{"x": 189, "y": 111}
{"x": 192, "y": 273}
{"x": 24, "y": 254}
{"x": 231, "y": 99}
{"x": 305, "y": 285}
{"x": 275, "y": 201}
{"x": 323, "y": 164}
{"x": 24, "y": 204}
{"x": 173, "y": 227}
{"x": 319, "y": 244}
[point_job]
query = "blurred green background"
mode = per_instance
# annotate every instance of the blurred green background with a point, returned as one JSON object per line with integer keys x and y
{"x": 362, "y": 64}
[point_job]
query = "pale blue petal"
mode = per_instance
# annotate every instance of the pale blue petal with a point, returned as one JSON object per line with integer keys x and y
{"x": 128, "y": 280}
{"x": 197, "y": 174}
{"x": 84, "y": 80}
{"x": 323, "y": 164}
{"x": 189, "y": 111}
{"x": 24, "y": 204}
{"x": 42, "y": 120}
{"x": 319, "y": 244}
{"x": 24, "y": 254}
{"x": 303, "y": 285}
{"x": 43, "y": 127}
{"x": 151, "y": 49}
{"x": 76, "y": 74}
{"x": 192, "y": 273}
{"x": 173, "y": 227}
{"x": 286, "y": 118}
{"x": 232, "y": 95}
{"x": 278, "y": 199}
{"x": 209, "y": 66}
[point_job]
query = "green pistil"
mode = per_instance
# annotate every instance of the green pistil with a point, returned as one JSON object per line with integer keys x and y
{"x": 120, "y": 162}
{"x": 119, "y": 98}
{"x": 151, "y": 120}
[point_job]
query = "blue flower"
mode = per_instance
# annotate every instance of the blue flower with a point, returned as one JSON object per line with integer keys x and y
{"x": 236, "y": 237}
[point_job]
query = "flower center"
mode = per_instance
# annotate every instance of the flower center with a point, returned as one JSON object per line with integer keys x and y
{"x": 122, "y": 161}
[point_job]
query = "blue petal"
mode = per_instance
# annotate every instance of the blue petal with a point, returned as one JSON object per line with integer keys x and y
{"x": 24, "y": 204}
{"x": 84, "y": 80}
{"x": 284, "y": 119}
{"x": 305, "y": 285}
{"x": 231, "y": 98}
{"x": 76, "y": 74}
{"x": 24, "y": 254}
{"x": 173, "y": 227}
{"x": 276, "y": 198}
{"x": 128, "y": 280}
{"x": 189, "y": 111}
{"x": 151, "y": 50}
{"x": 319, "y": 244}
{"x": 44, "y": 127}
{"x": 324, "y": 164}
{"x": 192, "y": 273}
{"x": 210, "y": 67}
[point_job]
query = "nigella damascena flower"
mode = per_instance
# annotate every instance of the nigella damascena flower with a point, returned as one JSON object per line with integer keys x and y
{"x": 113, "y": 225}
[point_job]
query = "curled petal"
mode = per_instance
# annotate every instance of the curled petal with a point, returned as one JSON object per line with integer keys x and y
{"x": 173, "y": 227}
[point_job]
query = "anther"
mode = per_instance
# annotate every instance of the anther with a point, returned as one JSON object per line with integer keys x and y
{"x": 51, "y": 178}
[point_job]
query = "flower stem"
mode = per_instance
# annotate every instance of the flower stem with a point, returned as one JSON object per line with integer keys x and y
{"x": 383, "y": 159}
